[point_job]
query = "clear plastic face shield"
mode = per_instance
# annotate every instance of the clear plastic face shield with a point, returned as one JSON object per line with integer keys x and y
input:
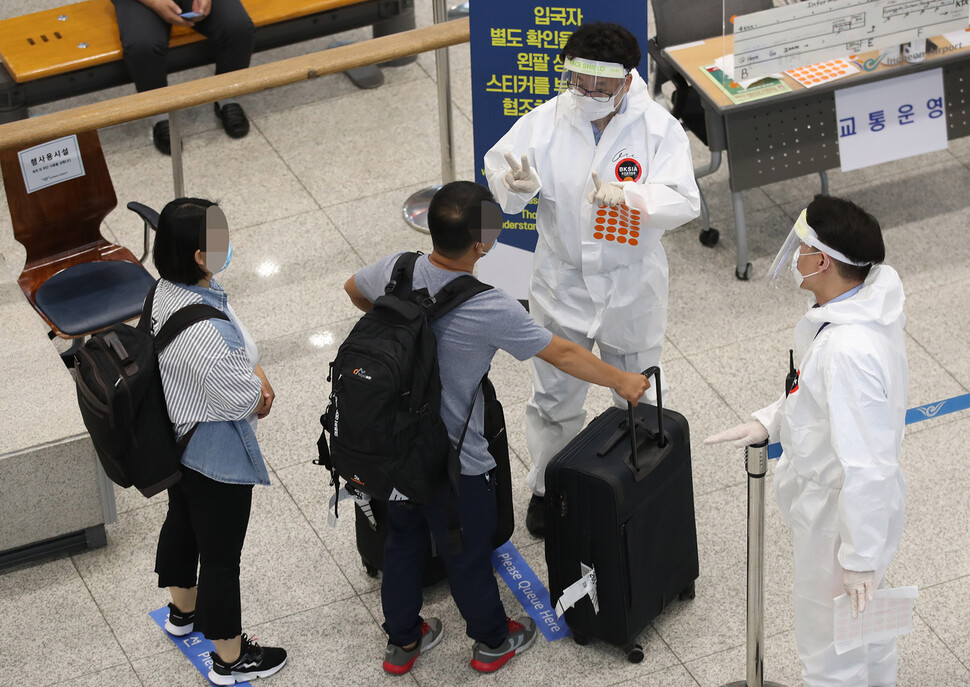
{"x": 590, "y": 90}
{"x": 785, "y": 264}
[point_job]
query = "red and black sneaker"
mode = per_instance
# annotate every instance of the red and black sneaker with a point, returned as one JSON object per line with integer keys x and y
{"x": 522, "y": 633}
{"x": 398, "y": 661}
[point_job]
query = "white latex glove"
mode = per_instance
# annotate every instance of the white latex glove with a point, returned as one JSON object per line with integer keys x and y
{"x": 743, "y": 435}
{"x": 520, "y": 178}
{"x": 610, "y": 193}
{"x": 859, "y": 586}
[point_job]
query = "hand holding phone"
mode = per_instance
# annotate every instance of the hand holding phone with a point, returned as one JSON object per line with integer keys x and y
{"x": 191, "y": 15}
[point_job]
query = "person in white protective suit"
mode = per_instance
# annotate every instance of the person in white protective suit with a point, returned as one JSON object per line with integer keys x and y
{"x": 838, "y": 484}
{"x": 613, "y": 171}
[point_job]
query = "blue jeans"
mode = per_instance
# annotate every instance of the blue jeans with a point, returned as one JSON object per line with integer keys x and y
{"x": 470, "y": 575}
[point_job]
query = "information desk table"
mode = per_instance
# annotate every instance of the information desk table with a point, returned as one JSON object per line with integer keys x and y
{"x": 792, "y": 134}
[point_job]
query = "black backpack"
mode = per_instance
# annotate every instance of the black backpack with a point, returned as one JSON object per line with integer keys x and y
{"x": 119, "y": 391}
{"x": 387, "y": 438}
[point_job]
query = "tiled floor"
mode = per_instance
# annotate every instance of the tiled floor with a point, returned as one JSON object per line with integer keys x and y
{"x": 307, "y": 210}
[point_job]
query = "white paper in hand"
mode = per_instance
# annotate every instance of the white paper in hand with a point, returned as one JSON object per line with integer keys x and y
{"x": 888, "y": 615}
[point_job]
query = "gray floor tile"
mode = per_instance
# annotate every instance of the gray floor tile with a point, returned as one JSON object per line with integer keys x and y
{"x": 935, "y": 324}
{"x": 287, "y": 276}
{"x": 309, "y": 486}
{"x": 251, "y": 182}
{"x": 943, "y": 609}
{"x": 780, "y": 663}
{"x": 285, "y": 569}
{"x": 112, "y": 677}
{"x": 933, "y": 549}
{"x": 678, "y": 676}
{"x": 408, "y": 114}
{"x": 44, "y": 607}
{"x": 123, "y": 583}
{"x": 297, "y": 366}
{"x": 376, "y": 227}
{"x": 709, "y": 306}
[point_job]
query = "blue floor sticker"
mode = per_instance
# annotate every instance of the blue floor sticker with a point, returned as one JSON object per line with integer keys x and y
{"x": 195, "y": 647}
{"x": 530, "y": 592}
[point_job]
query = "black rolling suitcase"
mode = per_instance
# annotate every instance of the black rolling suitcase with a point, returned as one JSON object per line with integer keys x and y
{"x": 624, "y": 508}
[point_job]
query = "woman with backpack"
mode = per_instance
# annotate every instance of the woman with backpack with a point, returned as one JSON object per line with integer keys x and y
{"x": 214, "y": 392}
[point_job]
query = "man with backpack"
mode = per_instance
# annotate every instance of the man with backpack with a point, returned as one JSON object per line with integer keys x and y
{"x": 467, "y": 339}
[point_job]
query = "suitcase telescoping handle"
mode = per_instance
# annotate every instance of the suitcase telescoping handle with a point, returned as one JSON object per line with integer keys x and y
{"x": 661, "y": 441}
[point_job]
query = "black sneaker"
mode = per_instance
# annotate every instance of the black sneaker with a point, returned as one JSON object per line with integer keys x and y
{"x": 254, "y": 661}
{"x": 161, "y": 137}
{"x": 178, "y": 623}
{"x": 233, "y": 119}
{"x": 535, "y": 517}
{"x": 522, "y": 633}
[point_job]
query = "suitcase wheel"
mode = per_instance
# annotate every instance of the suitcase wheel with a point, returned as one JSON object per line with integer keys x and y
{"x": 582, "y": 640}
{"x": 688, "y": 593}
{"x": 370, "y": 569}
{"x": 634, "y": 653}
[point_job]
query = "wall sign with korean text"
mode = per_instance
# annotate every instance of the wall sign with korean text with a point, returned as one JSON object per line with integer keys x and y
{"x": 516, "y": 66}
{"x": 51, "y": 163}
{"x": 891, "y": 119}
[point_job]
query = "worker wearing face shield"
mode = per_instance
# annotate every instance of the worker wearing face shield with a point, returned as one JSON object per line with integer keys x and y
{"x": 838, "y": 483}
{"x": 612, "y": 170}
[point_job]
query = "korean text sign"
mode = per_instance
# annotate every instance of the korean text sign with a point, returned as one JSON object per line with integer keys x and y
{"x": 516, "y": 66}
{"x": 891, "y": 119}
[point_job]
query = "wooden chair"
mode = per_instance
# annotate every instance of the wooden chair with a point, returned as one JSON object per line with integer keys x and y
{"x": 76, "y": 280}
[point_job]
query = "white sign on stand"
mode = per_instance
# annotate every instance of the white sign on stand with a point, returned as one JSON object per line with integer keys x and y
{"x": 891, "y": 119}
{"x": 51, "y": 163}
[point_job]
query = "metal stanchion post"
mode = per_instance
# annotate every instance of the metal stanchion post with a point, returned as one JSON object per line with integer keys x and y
{"x": 756, "y": 464}
{"x": 175, "y": 139}
{"x": 416, "y": 207}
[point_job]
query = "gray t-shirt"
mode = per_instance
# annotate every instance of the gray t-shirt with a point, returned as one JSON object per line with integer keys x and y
{"x": 468, "y": 338}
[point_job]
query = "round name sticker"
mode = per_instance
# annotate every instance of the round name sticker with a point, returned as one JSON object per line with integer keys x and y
{"x": 628, "y": 169}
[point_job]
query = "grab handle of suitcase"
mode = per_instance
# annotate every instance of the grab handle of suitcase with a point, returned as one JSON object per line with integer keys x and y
{"x": 632, "y": 420}
{"x": 655, "y": 373}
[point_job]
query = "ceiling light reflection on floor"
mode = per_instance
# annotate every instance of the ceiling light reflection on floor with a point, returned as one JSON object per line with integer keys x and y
{"x": 322, "y": 340}
{"x": 267, "y": 268}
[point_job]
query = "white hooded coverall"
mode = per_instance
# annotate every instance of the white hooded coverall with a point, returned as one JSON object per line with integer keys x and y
{"x": 838, "y": 483}
{"x": 588, "y": 285}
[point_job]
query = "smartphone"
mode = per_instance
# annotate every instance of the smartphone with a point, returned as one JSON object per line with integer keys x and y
{"x": 190, "y": 15}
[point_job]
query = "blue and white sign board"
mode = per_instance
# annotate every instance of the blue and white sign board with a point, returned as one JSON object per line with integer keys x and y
{"x": 516, "y": 66}
{"x": 891, "y": 119}
{"x": 51, "y": 163}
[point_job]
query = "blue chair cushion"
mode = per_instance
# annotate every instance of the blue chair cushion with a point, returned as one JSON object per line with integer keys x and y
{"x": 94, "y": 295}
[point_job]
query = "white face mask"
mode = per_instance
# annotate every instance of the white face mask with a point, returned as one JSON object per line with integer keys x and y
{"x": 592, "y": 110}
{"x": 795, "y": 273}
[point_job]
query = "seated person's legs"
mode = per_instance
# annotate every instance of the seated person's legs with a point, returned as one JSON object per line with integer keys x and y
{"x": 232, "y": 34}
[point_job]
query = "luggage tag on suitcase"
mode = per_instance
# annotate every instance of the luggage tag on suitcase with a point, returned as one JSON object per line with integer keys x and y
{"x": 584, "y": 586}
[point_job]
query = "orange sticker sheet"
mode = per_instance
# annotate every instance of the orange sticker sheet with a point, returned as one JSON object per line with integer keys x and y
{"x": 618, "y": 225}
{"x": 815, "y": 74}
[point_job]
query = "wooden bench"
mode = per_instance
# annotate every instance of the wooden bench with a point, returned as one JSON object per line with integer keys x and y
{"x": 75, "y": 49}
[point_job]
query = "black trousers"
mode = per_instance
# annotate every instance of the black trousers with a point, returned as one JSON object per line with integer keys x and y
{"x": 204, "y": 533}
{"x": 145, "y": 35}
